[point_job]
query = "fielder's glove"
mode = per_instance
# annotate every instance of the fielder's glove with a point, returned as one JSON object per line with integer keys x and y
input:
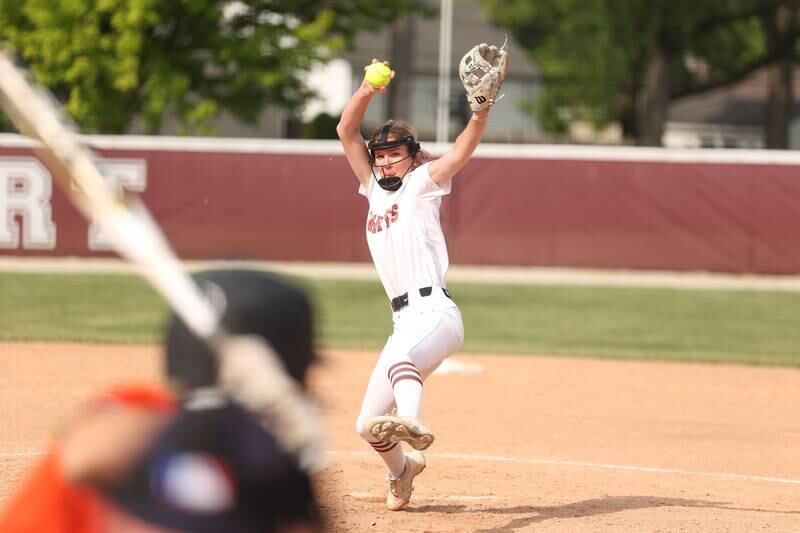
{"x": 482, "y": 71}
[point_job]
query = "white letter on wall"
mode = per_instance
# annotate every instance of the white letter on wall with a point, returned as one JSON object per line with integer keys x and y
{"x": 26, "y": 188}
{"x": 121, "y": 175}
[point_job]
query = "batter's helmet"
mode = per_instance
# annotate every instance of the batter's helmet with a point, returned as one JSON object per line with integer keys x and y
{"x": 253, "y": 303}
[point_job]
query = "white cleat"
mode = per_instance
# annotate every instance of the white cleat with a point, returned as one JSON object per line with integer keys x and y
{"x": 400, "y": 489}
{"x": 388, "y": 428}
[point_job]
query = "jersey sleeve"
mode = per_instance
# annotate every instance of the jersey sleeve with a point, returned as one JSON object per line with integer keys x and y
{"x": 364, "y": 191}
{"x": 425, "y": 187}
{"x": 140, "y": 395}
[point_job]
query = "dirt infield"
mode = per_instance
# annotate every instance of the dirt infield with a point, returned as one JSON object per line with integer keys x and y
{"x": 529, "y": 443}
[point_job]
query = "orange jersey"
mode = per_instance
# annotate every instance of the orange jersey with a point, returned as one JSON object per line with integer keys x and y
{"x": 46, "y": 503}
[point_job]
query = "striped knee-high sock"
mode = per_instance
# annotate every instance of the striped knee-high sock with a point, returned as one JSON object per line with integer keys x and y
{"x": 392, "y": 456}
{"x": 407, "y": 386}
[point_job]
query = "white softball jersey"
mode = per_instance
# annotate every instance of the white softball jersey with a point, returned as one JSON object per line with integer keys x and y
{"x": 404, "y": 233}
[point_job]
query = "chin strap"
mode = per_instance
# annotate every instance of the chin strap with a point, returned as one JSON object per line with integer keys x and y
{"x": 390, "y": 184}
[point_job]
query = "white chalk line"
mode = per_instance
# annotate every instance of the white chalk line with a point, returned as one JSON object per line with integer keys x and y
{"x": 376, "y": 496}
{"x": 522, "y": 460}
{"x": 583, "y": 464}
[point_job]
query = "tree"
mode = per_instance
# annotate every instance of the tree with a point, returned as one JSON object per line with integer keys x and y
{"x": 113, "y": 61}
{"x": 628, "y": 60}
{"x": 780, "y": 31}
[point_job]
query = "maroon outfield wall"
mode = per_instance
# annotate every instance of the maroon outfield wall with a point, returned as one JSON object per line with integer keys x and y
{"x": 512, "y": 205}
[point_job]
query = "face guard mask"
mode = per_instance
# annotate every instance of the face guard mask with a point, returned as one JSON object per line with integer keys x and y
{"x": 390, "y": 183}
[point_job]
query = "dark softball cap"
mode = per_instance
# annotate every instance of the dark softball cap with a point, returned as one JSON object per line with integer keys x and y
{"x": 252, "y": 303}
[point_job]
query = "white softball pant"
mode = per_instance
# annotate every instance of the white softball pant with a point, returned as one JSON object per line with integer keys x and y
{"x": 425, "y": 333}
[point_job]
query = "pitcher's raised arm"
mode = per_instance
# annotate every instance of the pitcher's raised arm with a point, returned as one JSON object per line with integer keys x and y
{"x": 349, "y": 127}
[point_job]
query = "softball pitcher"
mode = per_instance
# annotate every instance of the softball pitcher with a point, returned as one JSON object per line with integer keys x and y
{"x": 405, "y": 189}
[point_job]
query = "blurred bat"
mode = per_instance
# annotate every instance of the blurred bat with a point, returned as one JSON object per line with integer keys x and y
{"x": 136, "y": 237}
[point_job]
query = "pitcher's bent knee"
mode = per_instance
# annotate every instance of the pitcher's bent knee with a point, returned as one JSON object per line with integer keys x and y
{"x": 361, "y": 428}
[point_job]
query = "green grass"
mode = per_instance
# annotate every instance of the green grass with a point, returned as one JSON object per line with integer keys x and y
{"x": 637, "y": 323}
{"x": 82, "y": 308}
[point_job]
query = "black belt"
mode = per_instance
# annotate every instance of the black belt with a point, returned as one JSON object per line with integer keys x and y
{"x": 402, "y": 300}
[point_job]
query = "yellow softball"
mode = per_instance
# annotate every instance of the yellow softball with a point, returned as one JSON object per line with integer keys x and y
{"x": 378, "y": 75}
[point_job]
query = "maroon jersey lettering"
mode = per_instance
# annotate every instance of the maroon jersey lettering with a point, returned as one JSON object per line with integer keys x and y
{"x": 375, "y": 223}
